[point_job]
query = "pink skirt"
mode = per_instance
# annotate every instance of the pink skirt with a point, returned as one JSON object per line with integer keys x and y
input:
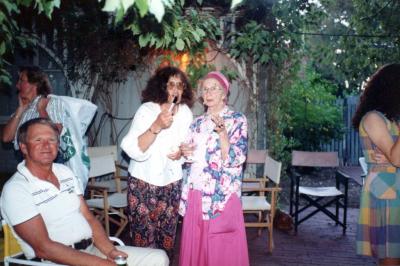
{"x": 220, "y": 241}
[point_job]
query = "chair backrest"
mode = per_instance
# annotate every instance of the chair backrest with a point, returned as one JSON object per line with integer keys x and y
{"x": 103, "y": 150}
{"x": 315, "y": 159}
{"x": 11, "y": 246}
{"x": 101, "y": 165}
{"x": 256, "y": 156}
{"x": 272, "y": 169}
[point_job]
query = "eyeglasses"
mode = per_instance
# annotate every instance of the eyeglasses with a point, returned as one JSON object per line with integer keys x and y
{"x": 178, "y": 85}
{"x": 210, "y": 89}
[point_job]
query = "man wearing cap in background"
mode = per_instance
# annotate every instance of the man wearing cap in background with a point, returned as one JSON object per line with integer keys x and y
{"x": 213, "y": 227}
{"x": 43, "y": 204}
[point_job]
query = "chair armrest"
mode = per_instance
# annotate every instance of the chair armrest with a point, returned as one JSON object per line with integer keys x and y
{"x": 97, "y": 187}
{"x": 342, "y": 177}
{"x": 121, "y": 177}
{"x": 267, "y": 189}
{"x": 293, "y": 174}
{"x": 254, "y": 179}
{"x": 120, "y": 166}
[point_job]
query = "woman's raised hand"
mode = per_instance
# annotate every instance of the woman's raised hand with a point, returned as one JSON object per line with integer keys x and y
{"x": 164, "y": 119}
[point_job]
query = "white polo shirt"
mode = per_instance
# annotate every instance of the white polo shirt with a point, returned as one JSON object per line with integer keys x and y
{"x": 24, "y": 196}
{"x": 153, "y": 166}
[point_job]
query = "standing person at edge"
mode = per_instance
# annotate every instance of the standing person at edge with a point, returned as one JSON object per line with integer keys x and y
{"x": 213, "y": 227}
{"x": 377, "y": 119}
{"x": 36, "y": 101}
{"x": 155, "y": 168}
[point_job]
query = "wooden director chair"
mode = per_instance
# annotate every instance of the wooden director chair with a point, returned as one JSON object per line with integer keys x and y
{"x": 108, "y": 206}
{"x": 260, "y": 193}
{"x": 319, "y": 197}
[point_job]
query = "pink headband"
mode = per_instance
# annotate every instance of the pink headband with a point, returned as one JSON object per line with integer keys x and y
{"x": 222, "y": 80}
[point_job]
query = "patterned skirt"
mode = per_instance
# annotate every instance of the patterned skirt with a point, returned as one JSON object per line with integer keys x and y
{"x": 378, "y": 229}
{"x": 153, "y": 214}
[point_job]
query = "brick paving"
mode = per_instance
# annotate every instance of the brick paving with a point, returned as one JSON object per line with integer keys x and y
{"x": 318, "y": 242}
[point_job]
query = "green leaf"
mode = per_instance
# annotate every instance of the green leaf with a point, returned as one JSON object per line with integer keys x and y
{"x": 196, "y": 36}
{"x": 143, "y": 7}
{"x": 2, "y": 48}
{"x": 5, "y": 79}
{"x": 144, "y": 40}
{"x": 180, "y": 45}
{"x": 127, "y": 4}
{"x": 119, "y": 15}
{"x": 178, "y": 32}
{"x": 10, "y": 6}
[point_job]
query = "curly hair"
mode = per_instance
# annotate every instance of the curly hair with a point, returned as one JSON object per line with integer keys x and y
{"x": 38, "y": 77}
{"x": 156, "y": 88}
{"x": 382, "y": 93}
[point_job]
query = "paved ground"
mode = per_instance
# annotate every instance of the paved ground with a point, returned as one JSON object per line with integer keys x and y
{"x": 318, "y": 242}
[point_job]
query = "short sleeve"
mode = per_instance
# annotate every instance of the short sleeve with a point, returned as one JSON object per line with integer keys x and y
{"x": 17, "y": 204}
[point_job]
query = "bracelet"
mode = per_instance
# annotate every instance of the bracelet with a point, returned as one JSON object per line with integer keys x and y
{"x": 154, "y": 132}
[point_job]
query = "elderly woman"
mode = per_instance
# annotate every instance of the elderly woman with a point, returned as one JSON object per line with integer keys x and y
{"x": 36, "y": 101}
{"x": 377, "y": 119}
{"x": 213, "y": 226}
{"x": 159, "y": 126}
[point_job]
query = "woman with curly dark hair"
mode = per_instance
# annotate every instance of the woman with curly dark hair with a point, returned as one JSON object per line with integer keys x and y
{"x": 377, "y": 119}
{"x": 159, "y": 126}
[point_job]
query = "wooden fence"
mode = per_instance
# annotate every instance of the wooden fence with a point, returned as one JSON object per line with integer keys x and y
{"x": 348, "y": 147}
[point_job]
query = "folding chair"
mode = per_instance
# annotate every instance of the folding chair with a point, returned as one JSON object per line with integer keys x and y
{"x": 266, "y": 188}
{"x": 13, "y": 252}
{"x": 107, "y": 207}
{"x": 110, "y": 184}
{"x": 320, "y": 197}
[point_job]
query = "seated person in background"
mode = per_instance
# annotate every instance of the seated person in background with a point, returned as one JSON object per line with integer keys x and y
{"x": 43, "y": 204}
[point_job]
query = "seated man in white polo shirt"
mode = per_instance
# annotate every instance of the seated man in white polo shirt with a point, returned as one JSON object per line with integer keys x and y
{"x": 45, "y": 208}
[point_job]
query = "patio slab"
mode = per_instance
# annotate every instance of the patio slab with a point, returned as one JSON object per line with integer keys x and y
{"x": 318, "y": 242}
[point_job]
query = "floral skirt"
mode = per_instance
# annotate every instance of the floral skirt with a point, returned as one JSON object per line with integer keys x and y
{"x": 153, "y": 214}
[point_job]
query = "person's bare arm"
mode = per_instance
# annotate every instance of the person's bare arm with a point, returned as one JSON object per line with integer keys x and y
{"x": 34, "y": 232}
{"x": 163, "y": 120}
{"x": 376, "y": 129}
{"x": 10, "y": 128}
{"x": 100, "y": 237}
{"x": 223, "y": 135}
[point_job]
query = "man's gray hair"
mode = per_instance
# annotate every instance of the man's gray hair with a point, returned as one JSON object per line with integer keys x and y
{"x": 23, "y": 129}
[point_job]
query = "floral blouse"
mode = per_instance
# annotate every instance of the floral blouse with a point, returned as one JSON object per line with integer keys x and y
{"x": 217, "y": 179}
